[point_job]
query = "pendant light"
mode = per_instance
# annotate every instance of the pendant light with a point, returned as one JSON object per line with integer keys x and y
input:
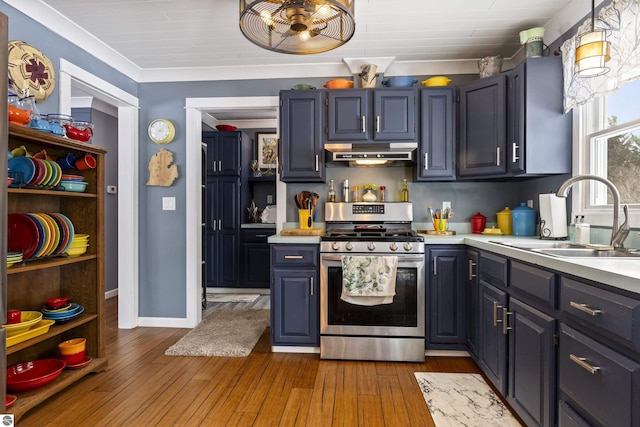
{"x": 593, "y": 51}
{"x": 297, "y": 26}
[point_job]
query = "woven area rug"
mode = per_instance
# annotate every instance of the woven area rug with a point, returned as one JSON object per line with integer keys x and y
{"x": 463, "y": 400}
{"x": 224, "y": 333}
{"x": 232, "y": 297}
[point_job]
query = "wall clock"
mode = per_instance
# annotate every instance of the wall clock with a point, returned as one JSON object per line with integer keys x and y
{"x": 161, "y": 131}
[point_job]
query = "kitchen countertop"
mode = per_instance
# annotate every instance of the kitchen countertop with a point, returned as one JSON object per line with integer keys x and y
{"x": 258, "y": 225}
{"x": 620, "y": 273}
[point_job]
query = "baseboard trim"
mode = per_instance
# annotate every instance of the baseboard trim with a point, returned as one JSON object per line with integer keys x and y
{"x": 260, "y": 291}
{"x": 293, "y": 349}
{"x": 111, "y": 294}
{"x": 446, "y": 353}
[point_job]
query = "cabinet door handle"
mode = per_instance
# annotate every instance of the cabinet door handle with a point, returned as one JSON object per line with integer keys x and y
{"x": 311, "y": 286}
{"x": 505, "y": 321}
{"x": 293, "y": 257}
{"x": 426, "y": 161}
{"x": 495, "y": 313}
{"x": 364, "y": 124}
{"x": 435, "y": 265}
{"x": 497, "y": 156}
{"x": 581, "y": 361}
{"x": 219, "y": 224}
{"x": 471, "y": 265}
{"x": 317, "y": 164}
{"x": 515, "y": 157}
{"x": 585, "y": 309}
{"x": 377, "y": 124}
{"x": 219, "y": 165}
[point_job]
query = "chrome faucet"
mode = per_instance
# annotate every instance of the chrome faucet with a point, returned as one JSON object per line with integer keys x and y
{"x": 618, "y": 235}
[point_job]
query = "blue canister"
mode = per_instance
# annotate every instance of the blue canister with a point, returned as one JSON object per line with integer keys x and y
{"x": 523, "y": 220}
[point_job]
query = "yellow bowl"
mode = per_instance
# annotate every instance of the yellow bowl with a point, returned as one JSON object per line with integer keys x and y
{"x": 79, "y": 244}
{"x": 27, "y": 320}
{"x": 80, "y": 236}
{"x": 73, "y": 346}
{"x": 76, "y": 251}
{"x": 436, "y": 81}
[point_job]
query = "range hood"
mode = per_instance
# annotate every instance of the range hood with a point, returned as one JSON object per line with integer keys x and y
{"x": 380, "y": 154}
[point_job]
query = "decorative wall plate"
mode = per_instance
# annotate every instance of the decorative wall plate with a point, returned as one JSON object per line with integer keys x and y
{"x": 31, "y": 70}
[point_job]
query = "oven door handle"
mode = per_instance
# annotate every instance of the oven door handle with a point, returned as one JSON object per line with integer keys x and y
{"x": 401, "y": 258}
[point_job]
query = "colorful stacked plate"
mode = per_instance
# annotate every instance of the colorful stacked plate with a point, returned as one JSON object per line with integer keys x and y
{"x": 37, "y": 235}
{"x": 36, "y": 173}
{"x": 13, "y": 258}
{"x": 64, "y": 315}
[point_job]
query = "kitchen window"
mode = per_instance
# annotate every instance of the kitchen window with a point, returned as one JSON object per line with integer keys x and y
{"x": 608, "y": 145}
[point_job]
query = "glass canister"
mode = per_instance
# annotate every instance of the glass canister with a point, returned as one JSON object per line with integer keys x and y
{"x": 504, "y": 221}
{"x": 523, "y": 220}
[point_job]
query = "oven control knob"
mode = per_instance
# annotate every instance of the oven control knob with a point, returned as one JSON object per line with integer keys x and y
{"x": 348, "y": 246}
{"x": 335, "y": 246}
{"x": 408, "y": 246}
{"x": 393, "y": 246}
{"x": 371, "y": 246}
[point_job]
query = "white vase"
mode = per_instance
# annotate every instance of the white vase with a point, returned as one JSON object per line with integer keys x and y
{"x": 369, "y": 196}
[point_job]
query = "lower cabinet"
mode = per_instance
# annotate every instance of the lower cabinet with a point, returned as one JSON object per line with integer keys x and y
{"x": 255, "y": 257}
{"x": 446, "y": 323}
{"x": 492, "y": 347}
{"x": 294, "y": 295}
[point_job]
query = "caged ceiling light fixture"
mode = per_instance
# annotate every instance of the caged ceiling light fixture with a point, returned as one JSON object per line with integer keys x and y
{"x": 297, "y": 26}
{"x": 593, "y": 51}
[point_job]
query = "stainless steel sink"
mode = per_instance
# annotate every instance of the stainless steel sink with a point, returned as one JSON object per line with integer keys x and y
{"x": 538, "y": 245}
{"x": 589, "y": 253}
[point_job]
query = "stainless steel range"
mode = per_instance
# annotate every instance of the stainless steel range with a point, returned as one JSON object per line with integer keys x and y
{"x": 392, "y": 330}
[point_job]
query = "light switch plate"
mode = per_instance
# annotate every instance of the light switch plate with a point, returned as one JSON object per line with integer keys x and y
{"x": 168, "y": 203}
{"x": 446, "y": 205}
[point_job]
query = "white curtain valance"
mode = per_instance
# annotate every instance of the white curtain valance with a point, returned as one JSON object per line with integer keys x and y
{"x": 620, "y": 19}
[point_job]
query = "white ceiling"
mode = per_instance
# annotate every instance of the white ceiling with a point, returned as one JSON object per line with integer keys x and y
{"x": 189, "y": 40}
{"x": 158, "y": 37}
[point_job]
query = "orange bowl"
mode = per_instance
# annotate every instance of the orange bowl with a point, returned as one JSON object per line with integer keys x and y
{"x": 338, "y": 84}
{"x": 18, "y": 116}
{"x": 72, "y": 346}
{"x": 72, "y": 359}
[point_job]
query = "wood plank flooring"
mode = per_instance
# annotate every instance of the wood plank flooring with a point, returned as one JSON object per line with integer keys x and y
{"x": 143, "y": 387}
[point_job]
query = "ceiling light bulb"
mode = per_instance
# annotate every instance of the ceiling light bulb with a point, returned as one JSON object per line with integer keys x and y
{"x": 266, "y": 17}
{"x": 304, "y": 36}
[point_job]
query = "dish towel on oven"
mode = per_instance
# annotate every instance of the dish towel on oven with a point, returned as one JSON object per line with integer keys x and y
{"x": 369, "y": 280}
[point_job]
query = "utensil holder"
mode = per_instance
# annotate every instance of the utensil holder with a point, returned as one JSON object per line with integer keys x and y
{"x": 306, "y": 218}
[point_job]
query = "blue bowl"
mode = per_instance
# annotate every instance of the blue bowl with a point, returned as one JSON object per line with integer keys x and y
{"x": 399, "y": 81}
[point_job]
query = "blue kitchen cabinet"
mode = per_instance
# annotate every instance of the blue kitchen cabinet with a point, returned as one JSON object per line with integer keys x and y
{"x": 256, "y": 268}
{"x": 294, "y": 295}
{"x": 482, "y": 127}
{"x": 492, "y": 348}
{"x": 532, "y": 363}
{"x": 372, "y": 115}
{"x": 225, "y": 198}
{"x": 538, "y": 133}
{"x": 436, "y": 150}
{"x": 224, "y": 212}
{"x": 224, "y": 152}
{"x": 301, "y": 146}
{"x": 473, "y": 301}
{"x": 446, "y": 300}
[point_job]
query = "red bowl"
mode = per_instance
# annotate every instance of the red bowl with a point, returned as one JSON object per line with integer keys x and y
{"x": 37, "y": 373}
{"x": 11, "y": 399}
{"x": 226, "y": 128}
{"x": 57, "y": 302}
{"x": 73, "y": 359}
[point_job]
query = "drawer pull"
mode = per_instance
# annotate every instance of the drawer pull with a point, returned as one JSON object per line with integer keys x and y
{"x": 581, "y": 361}
{"x": 585, "y": 309}
{"x": 293, "y": 257}
{"x": 261, "y": 235}
{"x": 495, "y": 313}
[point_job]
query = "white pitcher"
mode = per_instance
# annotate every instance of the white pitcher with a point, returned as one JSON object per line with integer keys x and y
{"x": 368, "y": 75}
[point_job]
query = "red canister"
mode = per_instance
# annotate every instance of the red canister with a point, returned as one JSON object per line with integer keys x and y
{"x": 478, "y": 222}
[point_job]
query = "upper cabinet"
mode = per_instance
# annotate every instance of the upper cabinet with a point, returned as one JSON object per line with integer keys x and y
{"x": 436, "y": 153}
{"x": 301, "y": 127}
{"x": 538, "y": 133}
{"x": 224, "y": 152}
{"x": 482, "y": 133}
{"x": 372, "y": 115}
{"x": 512, "y": 124}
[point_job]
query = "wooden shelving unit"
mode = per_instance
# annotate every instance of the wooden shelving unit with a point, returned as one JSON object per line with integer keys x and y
{"x": 81, "y": 278}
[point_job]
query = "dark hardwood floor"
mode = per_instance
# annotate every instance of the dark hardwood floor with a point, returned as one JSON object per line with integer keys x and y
{"x": 143, "y": 387}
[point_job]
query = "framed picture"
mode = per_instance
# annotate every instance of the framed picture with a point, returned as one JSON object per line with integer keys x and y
{"x": 267, "y": 149}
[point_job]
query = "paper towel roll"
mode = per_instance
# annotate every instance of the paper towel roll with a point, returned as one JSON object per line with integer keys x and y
{"x": 553, "y": 216}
